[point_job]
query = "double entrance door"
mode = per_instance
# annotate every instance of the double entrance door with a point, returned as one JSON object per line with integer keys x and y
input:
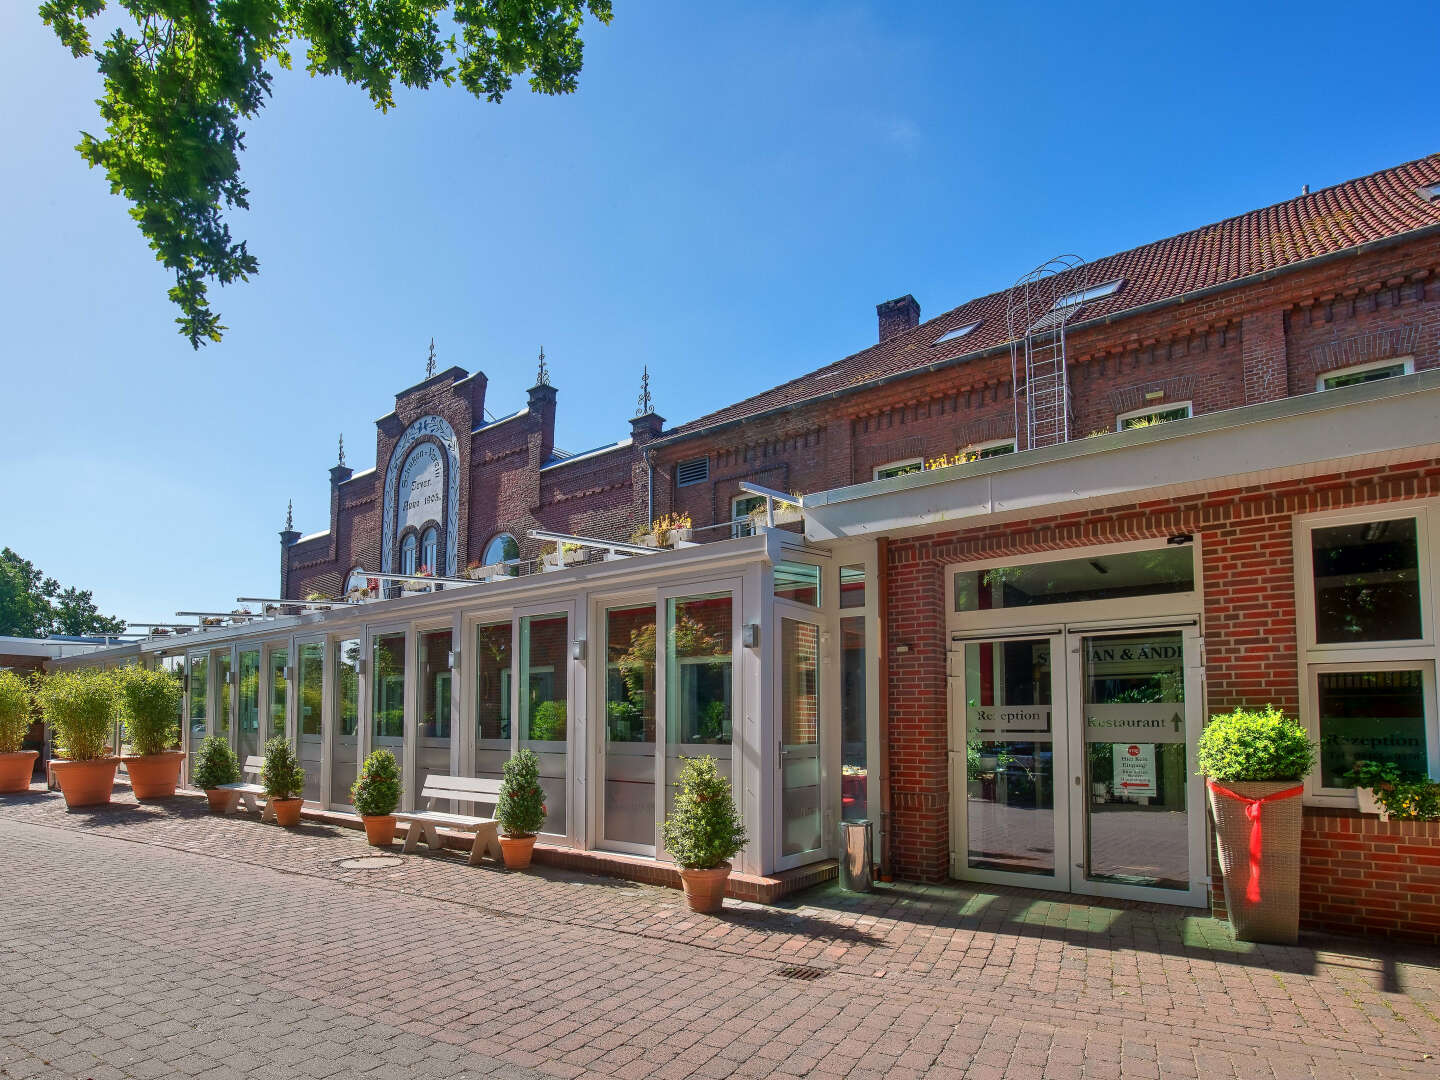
{"x": 1072, "y": 760}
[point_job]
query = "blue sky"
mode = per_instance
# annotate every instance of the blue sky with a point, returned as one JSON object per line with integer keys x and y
{"x": 726, "y": 199}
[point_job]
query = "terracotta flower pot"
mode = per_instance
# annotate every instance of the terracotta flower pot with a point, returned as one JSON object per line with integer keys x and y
{"x": 379, "y": 829}
{"x": 219, "y": 800}
{"x": 154, "y": 776}
{"x": 85, "y": 783}
{"x": 705, "y": 889}
{"x": 517, "y": 851}
{"x": 16, "y": 770}
{"x": 287, "y": 812}
{"x": 1267, "y": 908}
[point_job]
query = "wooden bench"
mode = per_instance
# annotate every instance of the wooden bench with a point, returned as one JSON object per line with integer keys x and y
{"x": 246, "y": 794}
{"x": 427, "y": 823}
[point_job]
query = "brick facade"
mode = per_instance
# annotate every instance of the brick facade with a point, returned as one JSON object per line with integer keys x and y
{"x": 1246, "y": 543}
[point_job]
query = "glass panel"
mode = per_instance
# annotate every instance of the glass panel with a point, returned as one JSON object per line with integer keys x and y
{"x": 433, "y": 753}
{"x": 1372, "y": 716}
{"x": 247, "y": 728}
{"x": 903, "y": 469}
{"x": 741, "y": 507}
{"x": 630, "y": 725}
{"x": 854, "y": 774}
{"x": 345, "y": 731}
{"x": 199, "y": 696}
{"x": 222, "y": 680}
{"x": 1367, "y": 582}
{"x": 800, "y": 820}
{"x": 492, "y": 699}
{"x": 387, "y": 698}
{"x": 1069, "y": 581}
{"x": 544, "y": 652}
{"x": 1010, "y": 757}
{"x": 279, "y": 689}
{"x": 311, "y": 691}
{"x": 1137, "y": 831}
{"x": 698, "y": 683}
{"x": 1160, "y": 416}
{"x": 852, "y": 586}
{"x": 799, "y": 582}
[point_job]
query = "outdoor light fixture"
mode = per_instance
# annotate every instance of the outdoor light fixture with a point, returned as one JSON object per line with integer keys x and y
{"x": 289, "y": 672}
{"x": 360, "y": 666}
{"x": 1180, "y": 539}
{"x": 453, "y": 658}
{"x": 577, "y": 649}
{"x": 750, "y": 635}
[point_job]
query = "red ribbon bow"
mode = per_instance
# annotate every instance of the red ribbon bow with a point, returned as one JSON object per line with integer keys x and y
{"x": 1252, "y": 811}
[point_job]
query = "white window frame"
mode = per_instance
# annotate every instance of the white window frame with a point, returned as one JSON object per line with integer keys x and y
{"x": 1406, "y": 363}
{"x": 1314, "y": 658}
{"x": 1152, "y": 410}
{"x": 737, "y": 518}
{"x": 900, "y": 464}
{"x": 979, "y": 448}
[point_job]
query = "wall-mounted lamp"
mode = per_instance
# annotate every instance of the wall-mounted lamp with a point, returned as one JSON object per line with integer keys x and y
{"x": 229, "y": 678}
{"x": 453, "y": 658}
{"x": 577, "y": 649}
{"x": 750, "y": 635}
{"x": 289, "y": 672}
{"x": 360, "y": 666}
{"x": 1180, "y": 538}
{"x": 902, "y": 647}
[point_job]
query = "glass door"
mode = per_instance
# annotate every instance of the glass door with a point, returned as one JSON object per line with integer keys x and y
{"x": 433, "y": 745}
{"x": 345, "y": 727}
{"x": 1137, "y": 826}
{"x": 1004, "y": 759}
{"x": 387, "y": 671}
{"x": 627, "y": 813}
{"x": 801, "y": 820}
{"x": 199, "y": 702}
{"x": 247, "y": 723}
{"x": 310, "y": 715}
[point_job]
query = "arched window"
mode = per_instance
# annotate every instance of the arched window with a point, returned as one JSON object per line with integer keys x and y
{"x": 407, "y": 554}
{"x": 430, "y": 549}
{"x": 501, "y": 549}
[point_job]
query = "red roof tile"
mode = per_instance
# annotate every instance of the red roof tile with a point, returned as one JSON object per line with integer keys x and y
{"x": 1356, "y": 212}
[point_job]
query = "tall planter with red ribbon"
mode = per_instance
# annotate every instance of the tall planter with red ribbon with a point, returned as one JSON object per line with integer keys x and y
{"x": 1254, "y": 761}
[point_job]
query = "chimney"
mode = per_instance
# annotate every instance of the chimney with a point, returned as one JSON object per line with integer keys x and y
{"x": 897, "y": 316}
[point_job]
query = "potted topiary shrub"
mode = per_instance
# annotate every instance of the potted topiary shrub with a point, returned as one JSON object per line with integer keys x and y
{"x": 17, "y": 764}
{"x": 283, "y": 780}
{"x": 150, "y": 707}
{"x": 80, "y": 707}
{"x": 703, "y": 832}
{"x": 520, "y": 809}
{"x": 215, "y": 764}
{"x": 1254, "y": 762}
{"x": 375, "y": 794}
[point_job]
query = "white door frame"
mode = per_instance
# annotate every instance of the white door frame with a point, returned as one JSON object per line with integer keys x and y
{"x": 297, "y": 703}
{"x": 408, "y": 801}
{"x": 958, "y": 695}
{"x": 827, "y": 730}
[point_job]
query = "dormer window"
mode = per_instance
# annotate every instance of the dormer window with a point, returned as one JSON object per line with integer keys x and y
{"x": 1084, "y": 296}
{"x": 957, "y": 333}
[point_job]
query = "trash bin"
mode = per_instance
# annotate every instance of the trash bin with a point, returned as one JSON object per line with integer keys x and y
{"x": 857, "y": 846}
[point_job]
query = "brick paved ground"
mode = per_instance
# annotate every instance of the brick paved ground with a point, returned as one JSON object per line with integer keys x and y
{"x": 159, "y": 940}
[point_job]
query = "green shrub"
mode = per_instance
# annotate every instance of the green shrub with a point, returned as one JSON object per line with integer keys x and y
{"x": 14, "y": 712}
{"x": 1255, "y": 744}
{"x": 80, "y": 707}
{"x": 548, "y": 723}
{"x": 376, "y": 792}
{"x": 281, "y": 774}
{"x": 149, "y": 702}
{"x": 521, "y": 808}
{"x": 215, "y": 764}
{"x": 703, "y": 828}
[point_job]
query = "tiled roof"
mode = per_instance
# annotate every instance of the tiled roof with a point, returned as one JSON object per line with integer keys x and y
{"x": 1356, "y": 212}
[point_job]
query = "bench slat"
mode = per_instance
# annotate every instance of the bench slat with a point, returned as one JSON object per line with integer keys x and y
{"x": 440, "y": 818}
{"x": 253, "y": 789}
{"x": 436, "y": 784}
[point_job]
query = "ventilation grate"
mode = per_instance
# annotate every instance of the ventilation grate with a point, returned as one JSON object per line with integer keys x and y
{"x": 694, "y": 471}
{"x": 799, "y": 971}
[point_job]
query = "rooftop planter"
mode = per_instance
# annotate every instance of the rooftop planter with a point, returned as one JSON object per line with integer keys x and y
{"x": 559, "y": 556}
{"x": 672, "y": 530}
{"x": 1254, "y": 761}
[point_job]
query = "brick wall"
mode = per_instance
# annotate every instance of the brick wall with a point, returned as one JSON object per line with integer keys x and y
{"x": 1359, "y": 875}
{"x": 1246, "y": 543}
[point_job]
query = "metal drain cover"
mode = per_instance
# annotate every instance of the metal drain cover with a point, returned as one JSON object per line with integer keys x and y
{"x": 798, "y": 971}
{"x": 370, "y": 862}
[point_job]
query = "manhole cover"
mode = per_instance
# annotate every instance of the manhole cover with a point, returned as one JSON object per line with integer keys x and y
{"x": 805, "y": 974}
{"x": 370, "y": 862}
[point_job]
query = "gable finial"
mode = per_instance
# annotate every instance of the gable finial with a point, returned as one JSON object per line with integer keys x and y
{"x": 342, "y": 448}
{"x": 542, "y": 377}
{"x": 430, "y": 361}
{"x": 290, "y": 516}
{"x": 644, "y": 405}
